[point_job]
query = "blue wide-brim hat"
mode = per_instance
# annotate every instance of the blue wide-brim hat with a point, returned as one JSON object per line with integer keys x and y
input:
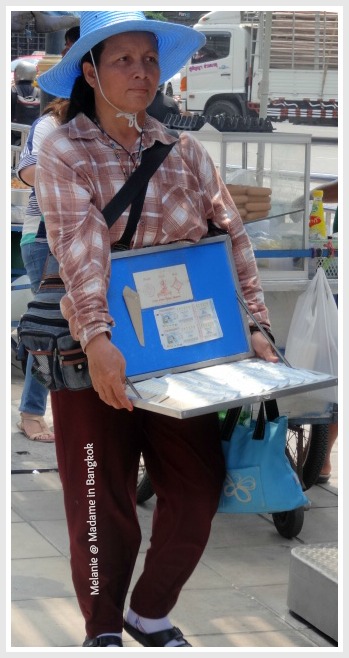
{"x": 176, "y": 44}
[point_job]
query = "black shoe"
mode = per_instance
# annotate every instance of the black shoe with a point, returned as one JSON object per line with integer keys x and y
{"x": 158, "y": 639}
{"x": 104, "y": 641}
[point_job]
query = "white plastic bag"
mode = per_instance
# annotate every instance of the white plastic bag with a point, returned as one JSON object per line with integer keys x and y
{"x": 312, "y": 341}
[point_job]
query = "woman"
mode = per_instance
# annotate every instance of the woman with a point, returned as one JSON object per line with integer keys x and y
{"x": 111, "y": 76}
{"x": 34, "y": 250}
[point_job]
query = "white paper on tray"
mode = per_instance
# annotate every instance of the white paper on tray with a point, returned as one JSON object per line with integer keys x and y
{"x": 165, "y": 285}
{"x": 205, "y": 387}
{"x": 187, "y": 324}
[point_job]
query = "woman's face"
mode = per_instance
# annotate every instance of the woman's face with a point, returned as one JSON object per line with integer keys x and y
{"x": 128, "y": 72}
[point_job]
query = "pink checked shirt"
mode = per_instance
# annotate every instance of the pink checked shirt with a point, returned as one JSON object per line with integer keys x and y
{"x": 77, "y": 173}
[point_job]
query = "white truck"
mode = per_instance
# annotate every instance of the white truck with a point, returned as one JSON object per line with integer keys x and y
{"x": 226, "y": 75}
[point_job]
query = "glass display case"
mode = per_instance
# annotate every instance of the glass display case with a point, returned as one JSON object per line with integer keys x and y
{"x": 280, "y": 238}
{"x": 278, "y": 162}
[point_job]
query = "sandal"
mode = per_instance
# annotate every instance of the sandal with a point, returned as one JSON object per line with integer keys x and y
{"x": 159, "y": 639}
{"x": 103, "y": 641}
{"x": 44, "y": 435}
{"x": 323, "y": 478}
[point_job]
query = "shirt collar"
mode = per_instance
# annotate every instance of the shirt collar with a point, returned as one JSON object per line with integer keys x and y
{"x": 81, "y": 127}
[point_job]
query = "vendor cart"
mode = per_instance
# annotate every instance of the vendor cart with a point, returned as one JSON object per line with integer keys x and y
{"x": 285, "y": 257}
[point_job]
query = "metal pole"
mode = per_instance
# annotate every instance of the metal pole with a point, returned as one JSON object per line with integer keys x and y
{"x": 264, "y": 87}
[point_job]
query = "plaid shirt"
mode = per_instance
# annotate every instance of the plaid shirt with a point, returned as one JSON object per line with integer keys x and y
{"x": 78, "y": 172}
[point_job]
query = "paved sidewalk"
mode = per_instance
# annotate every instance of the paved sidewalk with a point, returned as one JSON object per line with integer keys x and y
{"x": 236, "y": 598}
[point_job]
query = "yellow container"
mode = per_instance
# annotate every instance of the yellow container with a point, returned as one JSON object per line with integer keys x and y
{"x": 317, "y": 222}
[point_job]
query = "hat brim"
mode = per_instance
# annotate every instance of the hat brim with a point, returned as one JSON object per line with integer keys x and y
{"x": 176, "y": 44}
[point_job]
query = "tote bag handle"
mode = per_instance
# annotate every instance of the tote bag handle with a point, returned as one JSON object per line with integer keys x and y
{"x": 268, "y": 409}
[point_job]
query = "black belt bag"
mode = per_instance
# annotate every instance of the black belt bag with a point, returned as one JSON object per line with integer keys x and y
{"x": 58, "y": 360}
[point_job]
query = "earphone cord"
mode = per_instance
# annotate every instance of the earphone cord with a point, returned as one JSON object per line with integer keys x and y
{"x": 132, "y": 117}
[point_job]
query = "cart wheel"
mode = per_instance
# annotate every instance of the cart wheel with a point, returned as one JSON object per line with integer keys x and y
{"x": 289, "y": 524}
{"x": 306, "y": 449}
{"x": 144, "y": 486}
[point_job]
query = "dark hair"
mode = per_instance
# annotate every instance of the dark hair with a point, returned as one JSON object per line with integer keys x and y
{"x": 82, "y": 98}
{"x": 73, "y": 33}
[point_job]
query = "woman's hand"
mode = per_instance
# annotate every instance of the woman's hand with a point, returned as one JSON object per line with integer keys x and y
{"x": 107, "y": 368}
{"x": 262, "y": 347}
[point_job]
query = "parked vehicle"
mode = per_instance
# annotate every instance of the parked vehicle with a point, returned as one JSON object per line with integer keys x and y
{"x": 225, "y": 75}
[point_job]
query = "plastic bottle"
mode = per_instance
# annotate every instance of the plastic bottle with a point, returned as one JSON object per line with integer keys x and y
{"x": 317, "y": 222}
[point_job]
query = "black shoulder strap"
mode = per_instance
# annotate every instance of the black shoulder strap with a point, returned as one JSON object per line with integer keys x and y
{"x": 137, "y": 183}
{"x": 133, "y": 191}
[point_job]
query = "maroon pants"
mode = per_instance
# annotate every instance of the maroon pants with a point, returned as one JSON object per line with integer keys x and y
{"x": 98, "y": 450}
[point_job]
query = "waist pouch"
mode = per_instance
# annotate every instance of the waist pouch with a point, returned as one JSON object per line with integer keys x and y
{"x": 58, "y": 360}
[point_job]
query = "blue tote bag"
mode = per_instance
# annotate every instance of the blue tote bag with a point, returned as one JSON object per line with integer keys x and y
{"x": 259, "y": 477}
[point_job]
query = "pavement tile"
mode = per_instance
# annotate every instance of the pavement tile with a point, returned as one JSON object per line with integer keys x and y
{"x": 274, "y": 597}
{"x": 254, "y": 565}
{"x": 229, "y": 611}
{"x": 28, "y": 543}
{"x": 320, "y": 526}
{"x": 16, "y": 518}
{"x": 41, "y": 578}
{"x": 243, "y": 530}
{"x": 56, "y": 533}
{"x": 47, "y": 622}
{"x": 38, "y": 506}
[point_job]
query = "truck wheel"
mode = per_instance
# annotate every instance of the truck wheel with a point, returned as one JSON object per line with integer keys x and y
{"x": 223, "y": 107}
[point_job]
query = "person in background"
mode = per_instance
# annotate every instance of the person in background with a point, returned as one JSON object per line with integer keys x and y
{"x": 25, "y": 98}
{"x": 71, "y": 35}
{"x": 162, "y": 105}
{"x": 111, "y": 75}
{"x": 23, "y": 87}
{"x": 325, "y": 474}
{"x": 330, "y": 191}
{"x": 34, "y": 250}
